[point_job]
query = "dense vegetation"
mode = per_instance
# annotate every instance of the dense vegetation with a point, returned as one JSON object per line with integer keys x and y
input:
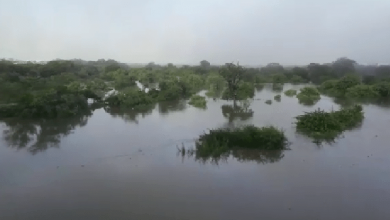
{"x": 322, "y": 125}
{"x": 290, "y": 92}
{"x": 61, "y": 88}
{"x": 308, "y": 96}
{"x": 220, "y": 142}
{"x": 198, "y": 101}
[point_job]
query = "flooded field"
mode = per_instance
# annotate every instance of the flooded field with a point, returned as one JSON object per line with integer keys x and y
{"x": 126, "y": 165}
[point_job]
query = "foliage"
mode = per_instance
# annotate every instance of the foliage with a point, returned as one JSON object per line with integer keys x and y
{"x": 277, "y": 98}
{"x": 130, "y": 98}
{"x": 232, "y": 74}
{"x": 323, "y": 125}
{"x": 279, "y": 78}
{"x": 308, "y": 96}
{"x": 290, "y": 92}
{"x": 221, "y": 141}
{"x": 277, "y": 87}
{"x": 245, "y": 90}
{"x": 383, "y": 89}
{"x": 198, "y": 101}
{"x": 362, "y": 92}
{"x": 345, "y": 83}
{"x": 269, "y": 102}
{"x": 47, "y": 104}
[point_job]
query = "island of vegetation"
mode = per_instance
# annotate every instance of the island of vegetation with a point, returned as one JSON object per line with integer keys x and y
{"x": 198, "y": 101}
{"x": 308, "y": 96}
{"x": 221, "y": 142}
{"x": 290, "y": 92}
{"x": 322, "y": 125}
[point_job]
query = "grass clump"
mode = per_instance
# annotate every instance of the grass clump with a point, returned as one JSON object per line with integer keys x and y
{"x": 322, "y": 125}
{"x": 220, "y": 142}
{"x": 198, "y": 101}
{"x": 269, "y": 102}
{"x": 308, "y": 96}
{"x": 277, "y": 98}
{"x": 290, "y": 92}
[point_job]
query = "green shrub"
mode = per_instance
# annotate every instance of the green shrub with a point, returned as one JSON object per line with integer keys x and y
{"x": 362, "y": 92}
{"x": 269, "y": 102}
{"x": 383, "y": 89}
{"x": 277, "y": 87}
{"x": 131, "y": 98}
{"x": 290, "y": 92}
{"x": 277, "y": 98}
{"x": 308, "y": 96}
{"x": 322, "y": 125}
{"x": 52, "y": 103}
{"x": 345, "y": 83}
{"x": 245, "y": 90}
{"x": 198, "y": 101}
{"x": 297, "y": 79}
{"x": 220, "y": 141}
{"x": 328, "y": 87}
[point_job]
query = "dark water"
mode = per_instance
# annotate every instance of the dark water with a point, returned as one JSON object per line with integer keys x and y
{"x": 122, "y": 165}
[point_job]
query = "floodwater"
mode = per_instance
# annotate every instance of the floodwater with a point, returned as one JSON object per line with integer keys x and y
{"x": 125, "y": 165}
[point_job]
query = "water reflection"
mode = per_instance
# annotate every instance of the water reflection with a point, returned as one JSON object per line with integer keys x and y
{"x": 39, "y": 135}
{"x": 241, "y": 155}
{"x": 171, "y": 106}
{"x": 130, "y": 115}
{"x": 238, "y": 110}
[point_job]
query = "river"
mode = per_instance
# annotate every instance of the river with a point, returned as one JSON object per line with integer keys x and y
{"x": 125, "y": 165}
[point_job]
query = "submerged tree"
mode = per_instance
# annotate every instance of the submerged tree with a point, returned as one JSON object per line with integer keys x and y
{"x": 232, "y": 73}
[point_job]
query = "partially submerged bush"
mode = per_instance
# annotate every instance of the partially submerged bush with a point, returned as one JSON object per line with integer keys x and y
{"x": 362, "y": 92}
{"x": 245, "y": 90}
{"x": 131, "y": 98}
{"x": 322, "y": 125}
{"x": 198, "y": 101}
{"x": 309, "y": 96}
{"x": 52, "y": 103}
{"x": 277, "y": 98}
{"x": 290, "y": 92}
{"x": 277, "y": 87}
{"x": 221, "y": 141}
{"x": 269, "y": 102}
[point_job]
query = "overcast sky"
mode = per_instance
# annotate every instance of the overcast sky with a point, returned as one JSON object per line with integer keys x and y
{"x": 187, "y": 31}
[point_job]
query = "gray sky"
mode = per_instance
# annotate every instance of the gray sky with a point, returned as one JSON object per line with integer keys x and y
{"x": 187, "y": 31}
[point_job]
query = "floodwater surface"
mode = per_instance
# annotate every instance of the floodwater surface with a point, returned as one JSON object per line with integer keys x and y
{"x": 125, "y": 165}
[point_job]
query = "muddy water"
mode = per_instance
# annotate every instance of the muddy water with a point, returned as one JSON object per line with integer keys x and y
{"x": 124, "y": 165}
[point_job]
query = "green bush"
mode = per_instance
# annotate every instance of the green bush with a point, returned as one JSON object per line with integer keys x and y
{"x": 290, "y": 92}
{"x": 277, "y": 98}
{"x": 297, "y": 79}
{"x": 362, "y": 92}
{"x": 198, "y": 101}
{"x": 52, "y": 103}
{"x": 322, "y": 125}
{"x": 269, "y": 102}
{"x": 131, "y": 98}
{"x": 245, "y": 90}
{"x": 328, "y": 87}
{"x": 308, "y": 96}
{"x": 220, "y": 141}
{"x": 383, "y": 89}
{"x": 277, "y": 87}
